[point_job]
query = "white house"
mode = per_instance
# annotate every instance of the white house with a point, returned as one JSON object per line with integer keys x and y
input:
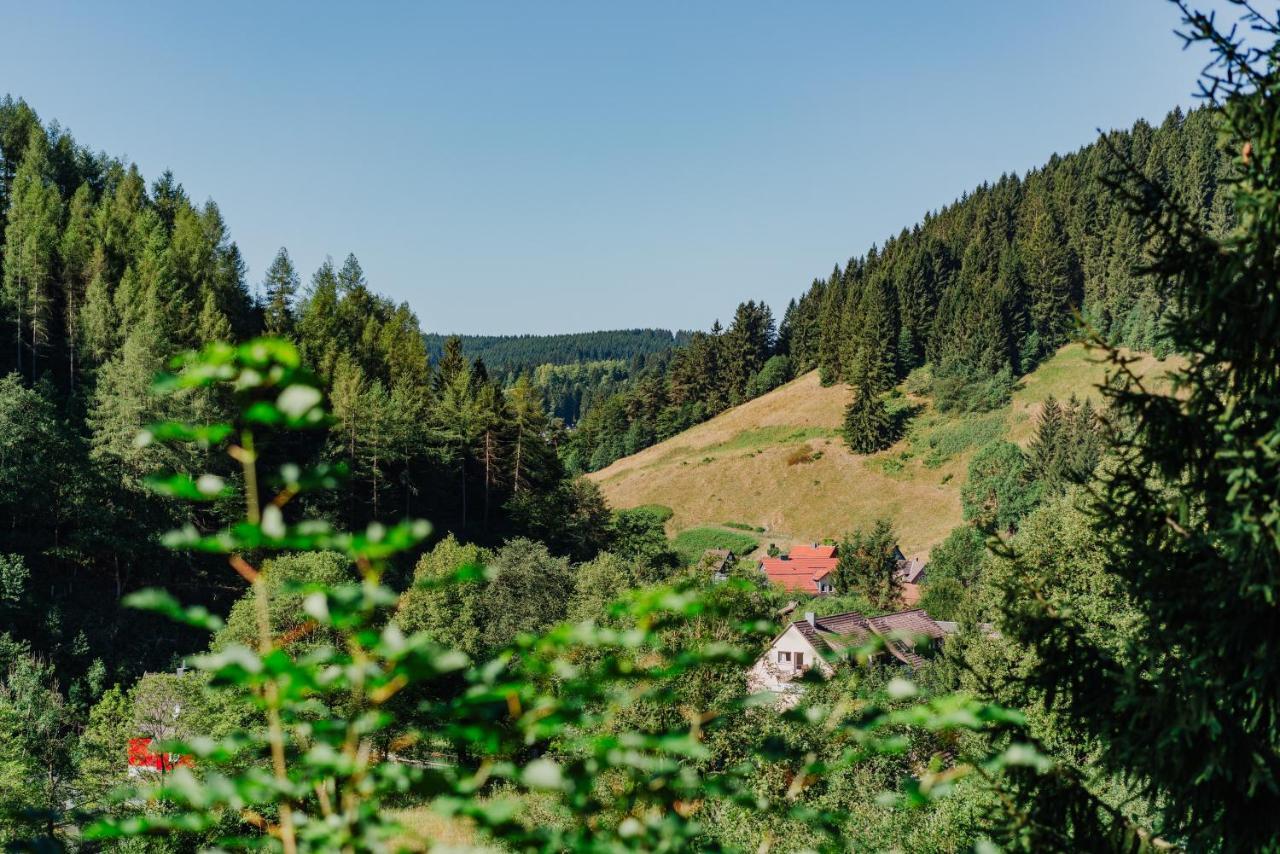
{"x": 815, "y": 641}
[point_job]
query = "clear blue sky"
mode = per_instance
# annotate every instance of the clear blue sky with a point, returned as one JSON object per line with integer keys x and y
{"x": 560, "y": 166}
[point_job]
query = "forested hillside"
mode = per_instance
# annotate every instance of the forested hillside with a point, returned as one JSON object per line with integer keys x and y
{"x": 105, "y": 277}
{"x": 982, "y": 289}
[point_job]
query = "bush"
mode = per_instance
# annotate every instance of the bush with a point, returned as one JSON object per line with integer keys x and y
{"x": 801, "y": 455}
{"x": 1000, "y": 489}
{"x": 920, "y": 381}
{"x": 774, "y": 373}
{"x": 661, "y": 512}
{"x": 966, "y": 390}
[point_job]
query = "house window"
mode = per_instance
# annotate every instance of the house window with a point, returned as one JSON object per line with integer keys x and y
{"x": 784, "y": 657}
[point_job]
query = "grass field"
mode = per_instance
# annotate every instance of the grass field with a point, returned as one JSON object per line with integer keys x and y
{"x": 743, "y": 465}
{"x": 692, "y": 542}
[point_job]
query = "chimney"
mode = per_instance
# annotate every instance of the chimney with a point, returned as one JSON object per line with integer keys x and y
{"x": 810, "y": 619}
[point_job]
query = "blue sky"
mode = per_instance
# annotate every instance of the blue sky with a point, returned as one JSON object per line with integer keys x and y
{"x": 544, "y": 167}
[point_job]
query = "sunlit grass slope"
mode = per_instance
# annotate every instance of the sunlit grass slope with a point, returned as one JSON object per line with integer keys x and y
{"x": 777, "y": 462}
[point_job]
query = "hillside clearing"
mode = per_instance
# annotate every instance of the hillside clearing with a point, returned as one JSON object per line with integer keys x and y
{"x": 777, "y": 462}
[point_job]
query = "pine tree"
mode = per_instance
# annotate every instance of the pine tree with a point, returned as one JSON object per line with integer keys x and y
{"x": 1046, "y": 447}
{"x": 458, "y": 419}
{"x": 212, "y": 325}
{"x": 98, "y": 318}
{"x": 347, "y": 394}
{"x": 876, "y": 365}
{"x": 168, "y": 197}
{"x": 279, "y": 288}
{"x": 318, "y": 324}
{"x": 830, "y": 318}
{"x": 531, "y": 459}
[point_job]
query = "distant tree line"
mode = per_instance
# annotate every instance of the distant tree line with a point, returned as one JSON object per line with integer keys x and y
{"x": 516, "y": 353}
{"x": 713, "y": 371}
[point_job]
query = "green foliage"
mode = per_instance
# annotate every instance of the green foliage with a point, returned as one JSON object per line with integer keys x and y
{"x": 1000, "y": 488}
{"x": 1186, "y": 513}
{"x": 639, "y": 535}
{"x": 449, "y": 612}
{"x": 283, "y": 581}
{"x": 867, "y": 425}
{"x": 938, "y": 439}
{"x": 964, "y": 390}
{"x": 1068, "y": 444}
{"x": 868, "y": 567}
{"x": 518, "y": 353}
{"x": 775, "y": 372}
{"x": 954, "y": 572}
{"x": 660, "y": 512}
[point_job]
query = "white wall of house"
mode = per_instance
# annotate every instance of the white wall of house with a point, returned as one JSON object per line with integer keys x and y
{"x": 775, "y": 670}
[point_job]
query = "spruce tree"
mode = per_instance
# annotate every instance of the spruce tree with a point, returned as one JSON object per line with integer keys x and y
{"x": 1188, "y": 513}
{"x": 452, "y": 363}
{"x": 279, "y": 290}
{"x": 868, "y": 426}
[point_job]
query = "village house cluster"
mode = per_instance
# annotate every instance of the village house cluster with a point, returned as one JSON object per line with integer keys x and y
{"x": 809, "y": 568}
{"x": 907, "y": 637}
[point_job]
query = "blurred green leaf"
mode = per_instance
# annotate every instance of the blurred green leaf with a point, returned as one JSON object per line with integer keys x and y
{"x": 161, "y": 602}
{"x": 207, "y": 487}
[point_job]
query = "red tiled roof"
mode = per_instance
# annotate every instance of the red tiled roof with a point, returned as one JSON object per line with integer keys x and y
{"x": 814, "y": 550}
{"x": 800, "y": 574}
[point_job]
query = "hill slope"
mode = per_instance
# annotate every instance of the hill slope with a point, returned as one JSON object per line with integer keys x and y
{"x": 744, "y": 466}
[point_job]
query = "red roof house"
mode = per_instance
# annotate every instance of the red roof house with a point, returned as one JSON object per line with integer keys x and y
{"x": 813, "y": 551}
{"x": 806, "y": 570}
{"x": 141, "y": 758}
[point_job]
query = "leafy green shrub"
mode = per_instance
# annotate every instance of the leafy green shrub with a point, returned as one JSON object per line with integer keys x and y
{"x": 961, "y": 389}
{"x": 920, "y": 381}
{"x": 660, "y": 512}
{"x": 775, "y": 372}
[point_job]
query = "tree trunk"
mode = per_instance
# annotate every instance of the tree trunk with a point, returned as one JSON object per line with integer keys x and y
{"x": 515, "y": 480}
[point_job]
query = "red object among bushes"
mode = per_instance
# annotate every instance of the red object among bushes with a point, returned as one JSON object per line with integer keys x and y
{"x": 141, "y": 757}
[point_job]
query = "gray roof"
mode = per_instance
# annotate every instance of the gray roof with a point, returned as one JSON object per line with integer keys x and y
{"x": 910, "y": 571}
{"x": 898, "y": 631}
